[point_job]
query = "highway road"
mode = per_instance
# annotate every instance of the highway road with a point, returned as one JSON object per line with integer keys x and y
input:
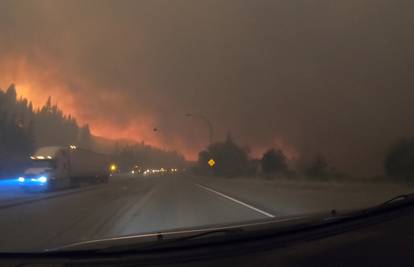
{"x": 130, "y": 205}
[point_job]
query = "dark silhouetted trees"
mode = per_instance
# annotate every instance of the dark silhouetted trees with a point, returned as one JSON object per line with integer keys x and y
{"x": 52, "y": 127}
{"x": 274, "y": 162}
{"x": 231, "y": 159}
{"x": 85, "y": 139}
{"x": 320, "y": 169}
{"x": 399, "y": 161}
{"x": 22, "y": 129}
{"x": 146, "y": 157}
{"x": 16, "y": 124}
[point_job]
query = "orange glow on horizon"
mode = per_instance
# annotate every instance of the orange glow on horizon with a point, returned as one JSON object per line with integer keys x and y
{"x": 37, "y": 84}
{"x": 99, "y": 126}
{"x": 142, "y": 132}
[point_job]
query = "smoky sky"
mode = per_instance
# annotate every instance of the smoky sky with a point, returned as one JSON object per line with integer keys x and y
{"x": 310, "y": 77}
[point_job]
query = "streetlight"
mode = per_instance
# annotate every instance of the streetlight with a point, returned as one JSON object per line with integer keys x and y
{"x": 206, "y": 121}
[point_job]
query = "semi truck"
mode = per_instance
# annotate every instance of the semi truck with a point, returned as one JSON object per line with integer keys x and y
{"x": 55, "y": 167}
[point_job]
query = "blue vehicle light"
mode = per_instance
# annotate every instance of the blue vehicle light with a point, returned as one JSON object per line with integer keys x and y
{"x": 36, "y": 181}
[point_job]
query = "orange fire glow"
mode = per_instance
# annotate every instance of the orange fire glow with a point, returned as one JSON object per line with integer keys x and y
{"x": 37, "y": 85}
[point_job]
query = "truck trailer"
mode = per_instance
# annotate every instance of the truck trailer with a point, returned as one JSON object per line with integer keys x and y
{"x": 55, "y": 167}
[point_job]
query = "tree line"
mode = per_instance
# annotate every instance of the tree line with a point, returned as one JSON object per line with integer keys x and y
{"x": 146, "y": 157}
{"x": 23, "y": 128}
{"x": 232, "y": 160}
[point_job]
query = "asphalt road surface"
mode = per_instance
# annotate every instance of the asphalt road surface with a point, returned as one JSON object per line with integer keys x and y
{"x": 142, "y": 204}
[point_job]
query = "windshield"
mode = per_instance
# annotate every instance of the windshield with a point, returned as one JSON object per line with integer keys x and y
{"x": 175, "y": 115}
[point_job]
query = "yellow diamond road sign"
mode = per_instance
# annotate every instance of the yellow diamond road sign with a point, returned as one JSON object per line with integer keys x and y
{"x": 211, "y": 162}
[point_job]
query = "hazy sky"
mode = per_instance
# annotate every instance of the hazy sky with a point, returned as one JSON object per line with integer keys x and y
{"x": 330, "y": 77}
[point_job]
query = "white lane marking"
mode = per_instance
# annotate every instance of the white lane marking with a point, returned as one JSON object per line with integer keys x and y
{"x": 237, "y": 201}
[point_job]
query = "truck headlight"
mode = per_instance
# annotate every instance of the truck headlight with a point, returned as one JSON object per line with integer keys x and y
{"x": 42, "y": 179}
{"x": 21, "y": 179}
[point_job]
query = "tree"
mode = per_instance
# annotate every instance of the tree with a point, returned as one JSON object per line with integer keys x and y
{"x": 319, "y": 168}
{"x": 30, "y": 136}
{"x": 52, "y": 127}
{"x": 129, "y": 155}
{"x": 231, "y": 160}
{"x": 15, "y": 137}
{"x": 399, "y": 161}
{"x": 11, "y": 94}
{"x": 85, "y": 137}
{"x": 48, "y": 106}
{"x": 202, "y": 163}
{"x": 274, "y": 162}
